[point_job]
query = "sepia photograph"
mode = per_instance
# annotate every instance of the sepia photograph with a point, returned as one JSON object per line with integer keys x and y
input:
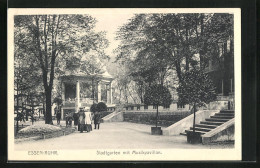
{"x": 124, "y": 84}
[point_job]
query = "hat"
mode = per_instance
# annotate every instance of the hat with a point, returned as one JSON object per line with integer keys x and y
{"x": 81, "y": 108}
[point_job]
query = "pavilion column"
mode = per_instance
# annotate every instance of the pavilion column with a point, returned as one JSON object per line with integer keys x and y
{"x": 99, "y": 91}
{"x": 111, "y": 96}
{"x": 62, "y": 98}
{"x": 77, "y": 100}
{"x": 108, "y": 95}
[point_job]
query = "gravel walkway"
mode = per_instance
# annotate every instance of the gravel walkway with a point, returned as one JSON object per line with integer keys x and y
{"x": 117, "y": 135}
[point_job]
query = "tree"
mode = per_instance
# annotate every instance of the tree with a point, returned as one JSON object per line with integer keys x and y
{"x": 196, "y": 89}
{"x": 93, "y": 108}
{"x": 49, "y": 40}
{"x": 157, "y": 95}
{"x": 101, "y": 107}
{"x": 154, "y": 45}
{"x": 58, "y": 101}
{"x": 125, "y": 87}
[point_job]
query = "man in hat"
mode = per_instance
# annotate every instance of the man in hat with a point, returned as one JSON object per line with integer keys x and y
{"x": 97, "y": 119}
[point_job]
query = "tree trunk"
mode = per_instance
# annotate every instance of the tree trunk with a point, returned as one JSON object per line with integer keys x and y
{"x": 48, "y": 116}
{"x": 156, "y": 115}
{"x": 202, "y": 51}
{"x": 178, "y": 70}
{"x": 187, "y": 52}
{"x": 93, "y": 91}
{"x": 194, "y": 108}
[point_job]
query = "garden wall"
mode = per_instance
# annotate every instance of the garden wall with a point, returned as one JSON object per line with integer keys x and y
{"x": 165, "y": 119}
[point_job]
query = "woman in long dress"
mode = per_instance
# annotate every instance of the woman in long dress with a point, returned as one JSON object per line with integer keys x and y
{"x": 82, "y": 117}
{"x": 88, "y": 119}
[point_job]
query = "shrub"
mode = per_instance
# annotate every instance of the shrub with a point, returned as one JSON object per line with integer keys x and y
{"x": 101, "y": 107}
{"x": 93, "y": 108}
{"x": 196, "y": 89}
{"x": 157, "y": 95}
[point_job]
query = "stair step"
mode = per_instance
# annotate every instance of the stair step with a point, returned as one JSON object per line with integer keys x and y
{"x": 206, "y": 126}
{"x": 212, "y": 123}
{"x": 222, "y": 117}
{"x": 201, "y": 129}
{"x": 183, "y": 133}
{"x": 217, "y": 119}
{"x": 227, "y": 111}
{"x": 201, "y": 132}
{"x": 224, "y": 114}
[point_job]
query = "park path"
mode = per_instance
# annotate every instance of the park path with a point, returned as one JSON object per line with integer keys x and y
{"x": 116, "y": 135}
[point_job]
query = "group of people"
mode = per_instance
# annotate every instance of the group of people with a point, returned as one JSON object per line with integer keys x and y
{"x": 83, "y": 119}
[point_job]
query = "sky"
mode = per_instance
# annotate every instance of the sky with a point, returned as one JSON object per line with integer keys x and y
{"x": 110, "y": 23}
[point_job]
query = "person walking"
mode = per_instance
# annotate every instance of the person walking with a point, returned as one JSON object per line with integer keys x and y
{"x": 97, "y": 120}
{"x": 81, "y": 120}
{"x": 88, "y": 121}
{"x": 76, "y": 118}
{"x": 58, "y": 116}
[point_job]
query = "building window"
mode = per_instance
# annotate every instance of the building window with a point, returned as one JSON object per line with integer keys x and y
{"x": 132, "y": 107}
{"x": 145, "y": 106}
{"x": 126, "y": 108}
{"x": 154, "y": 106}
{"x": 138, "y": 107}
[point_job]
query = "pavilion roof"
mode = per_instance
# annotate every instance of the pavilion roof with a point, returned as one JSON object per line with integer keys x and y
{"x": 81, "y": 75}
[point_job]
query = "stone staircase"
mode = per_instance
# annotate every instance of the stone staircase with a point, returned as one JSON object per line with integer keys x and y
{"x": 213, "y": 122}
{"x": 113, "y": 117}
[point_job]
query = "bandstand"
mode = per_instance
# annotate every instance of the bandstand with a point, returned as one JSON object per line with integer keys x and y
{"x": 81, "y": 90}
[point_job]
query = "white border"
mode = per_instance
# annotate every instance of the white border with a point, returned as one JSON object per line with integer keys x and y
{"x": 167, "y": 154}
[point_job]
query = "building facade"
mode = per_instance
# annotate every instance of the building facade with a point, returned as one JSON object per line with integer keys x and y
{"x": 221, "y": 70}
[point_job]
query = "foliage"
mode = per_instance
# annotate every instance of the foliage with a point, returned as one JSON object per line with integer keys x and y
{"x": 93, "y": 108}
{"x": 54, "y": 44}
{"x": 57, "y": 100}
{"x": 101, "y": 107}
{"x": 154, "y": 45}
{"x": 126, "y": 90}
{"x": 157, "y": 95}
{"x": 20, "y": 116}
{"x": 196, "y": 88}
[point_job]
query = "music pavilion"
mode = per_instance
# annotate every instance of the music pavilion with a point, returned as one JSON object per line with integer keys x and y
{"x": 81, "y": 90}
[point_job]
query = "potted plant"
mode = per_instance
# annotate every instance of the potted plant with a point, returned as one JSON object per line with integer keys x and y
{"x": 157, "y": 95}
{"x": 195, "y": 89}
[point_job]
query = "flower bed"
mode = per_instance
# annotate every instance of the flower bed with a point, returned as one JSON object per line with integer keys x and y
{"x": 43, "y": 131}
{"x": 37, "y": 130}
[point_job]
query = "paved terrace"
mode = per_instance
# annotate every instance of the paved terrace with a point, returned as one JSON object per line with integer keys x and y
{"x": 117, "y": 135}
